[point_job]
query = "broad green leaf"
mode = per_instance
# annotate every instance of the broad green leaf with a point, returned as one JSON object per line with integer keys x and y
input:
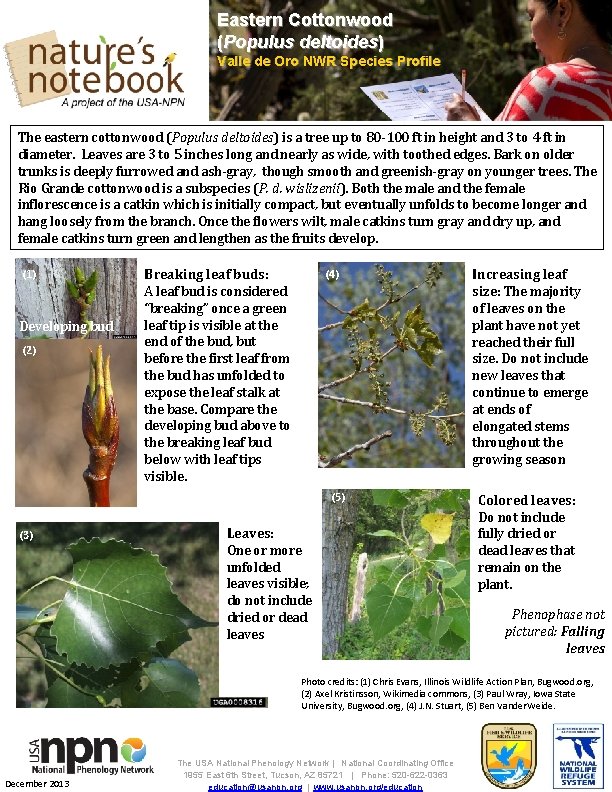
{"x": 162, "y": 683}
{"x": 395, "y": 498}
{"x": 382, "y": 572}
{"x": 430, "y": 603}
{"x": 423, "y": 625}
{"x": 460, "y": 622}
{"x": 61, "y": 694}
{"x": 430, "y": 346}
{"x": 102, "y": 39}
{"x": 386, "y": 611}
{"x": 102, "y": 681}
{"x": 119, "y": 605}
{"x": 445, "y": 567}
{"x": 438, "y": 552}
{"x": 439, "y": 625}
{"x": 455, "y": 580}
{"x": 451, "y": 641}
{"x": 438, "y": 526}
{"x": 450, "y": 500}
{"x": 463, "y": 545}
{"x": 383, "y": 532}
{"x": 433, "y": 627}
{"x": 461, "y": 590}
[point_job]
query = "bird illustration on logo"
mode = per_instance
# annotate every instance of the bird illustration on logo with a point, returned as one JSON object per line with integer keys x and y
{"x": 504, "y": 755}
{"x": 169, "y": 58}
{"x": 582, "y": 744}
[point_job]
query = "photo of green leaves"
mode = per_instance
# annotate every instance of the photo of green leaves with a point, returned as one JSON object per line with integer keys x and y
{"x": 396, "y": 574}
{"x": 117, "y": 615}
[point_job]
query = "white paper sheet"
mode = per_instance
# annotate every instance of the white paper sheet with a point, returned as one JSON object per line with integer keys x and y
{"x": 419, "y": 100}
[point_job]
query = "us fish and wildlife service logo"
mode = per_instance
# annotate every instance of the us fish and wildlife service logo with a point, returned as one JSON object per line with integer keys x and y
{"x": 578, "y": 750}
{"x": 508, "y": 753}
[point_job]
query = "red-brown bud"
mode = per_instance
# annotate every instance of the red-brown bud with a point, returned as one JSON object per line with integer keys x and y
{"x": 100, "y": 428}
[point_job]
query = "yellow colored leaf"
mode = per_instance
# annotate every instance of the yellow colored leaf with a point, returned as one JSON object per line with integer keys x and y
{"x": 438, "y": 526}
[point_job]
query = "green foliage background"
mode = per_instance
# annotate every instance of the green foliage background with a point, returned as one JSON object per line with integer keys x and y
{"x": 190, "y": 551}
{"x": 412, "y": 639}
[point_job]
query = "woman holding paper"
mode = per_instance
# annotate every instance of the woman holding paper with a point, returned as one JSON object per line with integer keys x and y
{"x": 574, "y": 38}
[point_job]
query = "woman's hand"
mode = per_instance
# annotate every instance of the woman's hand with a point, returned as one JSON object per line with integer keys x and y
{"x": 458, "y": 110}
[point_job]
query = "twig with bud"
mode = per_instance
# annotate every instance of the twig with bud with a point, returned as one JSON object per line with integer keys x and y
{"x": 100, "y": 429}
{"x": 83, "y": 292}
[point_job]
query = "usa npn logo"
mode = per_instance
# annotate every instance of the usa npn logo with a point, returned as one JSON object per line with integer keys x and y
{"x": 82, "y": 755}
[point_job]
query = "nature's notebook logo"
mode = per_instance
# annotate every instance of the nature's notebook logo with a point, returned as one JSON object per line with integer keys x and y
{"x": 81, "y": 755}
{"x": 42, "y": 68}
{"x": 508, "y": 753}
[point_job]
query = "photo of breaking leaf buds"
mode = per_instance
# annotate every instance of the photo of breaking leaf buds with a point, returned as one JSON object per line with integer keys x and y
{"x": 100, "y": 429}
{"x": 67, "y": 414}
{"x": 75, "y": 298}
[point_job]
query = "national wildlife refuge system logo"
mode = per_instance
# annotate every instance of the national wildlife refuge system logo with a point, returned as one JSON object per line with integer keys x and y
{"x": 578, "y": 755}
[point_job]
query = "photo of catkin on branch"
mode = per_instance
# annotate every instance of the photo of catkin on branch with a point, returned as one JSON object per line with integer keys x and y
{"x": 67, "y": 415}
{"x": 391, "y": 364}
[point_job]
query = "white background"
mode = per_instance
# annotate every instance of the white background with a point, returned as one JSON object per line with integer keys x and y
{"x": 284, "y": 494}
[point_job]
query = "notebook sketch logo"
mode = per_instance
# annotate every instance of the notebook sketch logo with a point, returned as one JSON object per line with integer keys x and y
{"x": 508, "y": 753}
{"x": 43, "y": 68}
{"x": 578, "y": 755}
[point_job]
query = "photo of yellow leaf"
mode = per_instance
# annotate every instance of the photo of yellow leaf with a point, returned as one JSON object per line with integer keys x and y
{"x": 438, "y": 526}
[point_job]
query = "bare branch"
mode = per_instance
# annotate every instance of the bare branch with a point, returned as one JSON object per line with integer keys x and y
{"x": 335, "y": 460}
{"x": 350, "y": 376}
{"x": 331, "y": 305}
{"x": 382, "y": 408}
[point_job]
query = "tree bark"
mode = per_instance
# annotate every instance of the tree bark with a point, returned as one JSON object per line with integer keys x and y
{"x": 43, "y": 296}
{"x": 359, "y": 588}
{"x": 339, "y": 521}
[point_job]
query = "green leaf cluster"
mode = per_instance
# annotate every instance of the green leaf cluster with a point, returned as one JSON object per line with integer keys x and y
{"x": 417, "y": 334}
{"x": 425, "y": 585}
{"x": 83, "y": 292}
{"x": 109, "y": 641}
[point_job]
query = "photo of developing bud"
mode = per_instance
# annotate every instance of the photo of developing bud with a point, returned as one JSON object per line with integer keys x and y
{"x": 117, "y": 614}
{"x": 391, "y": 364}
{"x": 396, "y": 574}
{"x": 75, "y": 298}
{"x": 75, "y": 423}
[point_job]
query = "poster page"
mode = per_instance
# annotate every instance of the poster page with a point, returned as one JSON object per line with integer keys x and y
{"x": 337, "y": 386}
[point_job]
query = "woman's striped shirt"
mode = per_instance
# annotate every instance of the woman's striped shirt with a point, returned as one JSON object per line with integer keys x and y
{"x": 561, "y": 92}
